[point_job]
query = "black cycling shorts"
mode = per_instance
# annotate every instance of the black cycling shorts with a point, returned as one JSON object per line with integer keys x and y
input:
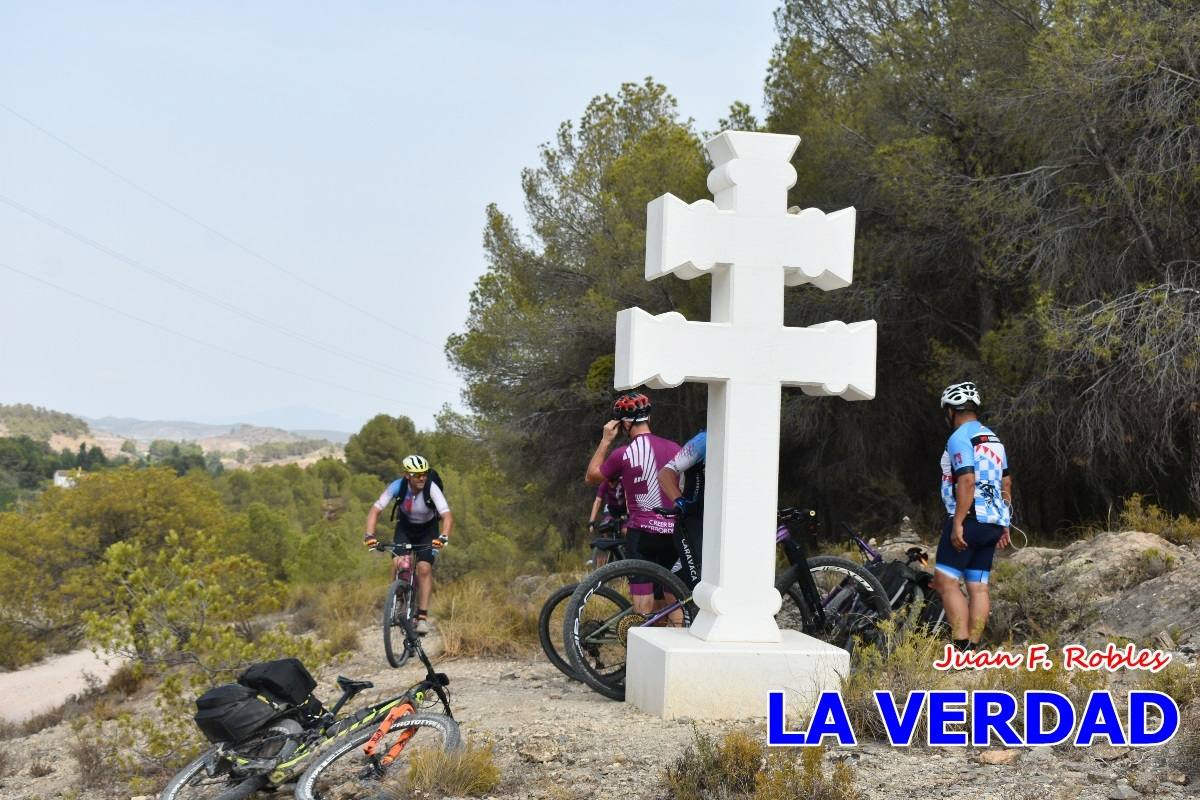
{"x": 417, "y": 533}
{"x": 656, "y": 547}
{"x": 975, "y": 563}
{"x": 689, "y": 542}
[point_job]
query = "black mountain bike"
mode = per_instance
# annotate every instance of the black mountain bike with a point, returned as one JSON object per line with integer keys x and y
{"x": 400, "y": 604}
{"x": 830, "y": 598}
{"x": 911, "y": 595}
{"x": 342, "y": 756}
{"x": 550, "y": 620}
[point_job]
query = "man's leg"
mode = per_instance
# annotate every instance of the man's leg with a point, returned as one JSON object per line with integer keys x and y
{"x": 948, "y": 570}
{"x": 954, "y": 603}
{"x": 980, "y": 607}
{"x": 424, "y": 583}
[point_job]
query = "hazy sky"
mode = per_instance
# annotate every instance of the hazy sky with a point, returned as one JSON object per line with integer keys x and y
{"x": 338, "y": 157}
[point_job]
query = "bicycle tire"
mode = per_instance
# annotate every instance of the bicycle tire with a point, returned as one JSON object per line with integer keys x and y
{"x": 547, "y": 630}
{"x": 317, "y": 781}
{"x": 589, "y": 665}
{"x": 397, "y": 652}
{"x": 181, "y": 785}
{"x": 855, "y": 611}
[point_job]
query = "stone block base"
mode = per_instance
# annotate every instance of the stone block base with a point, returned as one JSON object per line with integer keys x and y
{"x": 670, "y": 673}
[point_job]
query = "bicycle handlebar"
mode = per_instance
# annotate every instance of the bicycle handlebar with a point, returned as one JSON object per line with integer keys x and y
{"x": 397, "y": 548}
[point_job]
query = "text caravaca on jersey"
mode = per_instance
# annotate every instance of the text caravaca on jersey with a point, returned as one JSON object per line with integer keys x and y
{"x": 979, "y": 718}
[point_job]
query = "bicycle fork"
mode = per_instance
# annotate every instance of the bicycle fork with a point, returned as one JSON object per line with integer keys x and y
{"x": 369, "y": 749}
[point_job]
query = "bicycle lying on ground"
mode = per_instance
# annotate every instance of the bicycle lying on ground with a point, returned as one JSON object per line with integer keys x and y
{"x": 401, "y": 602}
{"x": 607, "y": 541}
{"x": 828, "y": 597}
{"x": 341, "y": 756}
{"x": 910, "y": 588}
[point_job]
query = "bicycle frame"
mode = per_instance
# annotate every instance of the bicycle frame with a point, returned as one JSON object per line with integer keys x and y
{"x": 383, "y": 714}
{"x": 793, "y": 547}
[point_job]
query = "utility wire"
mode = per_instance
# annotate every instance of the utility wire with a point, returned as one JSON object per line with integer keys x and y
{"x": 211, "y": 345}
{"x": 209, "y": 298}
{"x": 215, "y": 232}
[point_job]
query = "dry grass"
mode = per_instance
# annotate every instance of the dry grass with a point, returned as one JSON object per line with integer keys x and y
{"x": 1141, "y": 515}
{"x": 337, "y": 611}
{"x": 8, "y": 764}
{"x": 739, "y": 766}
{"x": 40, "y": 768}
{"x": 479, "y": 618}
{"x": 469, "y": 772}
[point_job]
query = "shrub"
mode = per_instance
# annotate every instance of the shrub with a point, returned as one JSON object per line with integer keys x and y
{"x": 738, "y": 766}
{"x": 908, "y": 667}
{"x": 1141, "y": 515}
{"x": 470, "y": 772}
{"x": 40, "y": 768}
{"x": 479, "y": 618}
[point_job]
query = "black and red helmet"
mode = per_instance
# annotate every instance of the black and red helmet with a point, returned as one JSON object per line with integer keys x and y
{"x": 631, "y": 407}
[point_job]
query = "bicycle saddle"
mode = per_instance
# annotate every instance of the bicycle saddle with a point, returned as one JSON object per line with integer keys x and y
{"x": 351, "y": 685}
{"x": 606, "y": 543}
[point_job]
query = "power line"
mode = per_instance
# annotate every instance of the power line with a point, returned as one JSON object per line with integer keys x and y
{"x": 203, "y": 295}
{"x": 214, "y": 231}
{"x": 211, "y": 345}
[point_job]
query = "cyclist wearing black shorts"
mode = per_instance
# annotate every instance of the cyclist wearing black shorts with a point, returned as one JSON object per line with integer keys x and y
{"x": 422, "y": 518}
{"x": 682, "y": 481}
{"x": 650, "y": 535}
{"x": 977, "y": 492}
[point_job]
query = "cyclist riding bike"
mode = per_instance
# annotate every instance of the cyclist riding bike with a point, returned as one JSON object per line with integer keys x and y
{"x": 422, "y": 518}
{"x": 650, "y": 534}
{"x": 977, "y": 492}
{"x": 687, "y": 495}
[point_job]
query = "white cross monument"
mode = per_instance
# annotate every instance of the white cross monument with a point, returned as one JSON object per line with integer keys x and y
{"x": 734, "y": 653}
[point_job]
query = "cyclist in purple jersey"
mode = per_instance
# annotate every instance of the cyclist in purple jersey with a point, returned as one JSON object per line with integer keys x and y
{"x": 650, "y": 534}
{"x": 609, "y": 504}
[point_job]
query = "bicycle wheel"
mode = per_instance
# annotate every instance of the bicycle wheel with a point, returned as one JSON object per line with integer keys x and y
{"x": 550, "y": 626}
{"x": 600, "y": 614}
{"x": 853, "y": 600}
{"x": 346, "y": 772}
{"x": 194, "y": 783}
{"x": 398, "y": 604}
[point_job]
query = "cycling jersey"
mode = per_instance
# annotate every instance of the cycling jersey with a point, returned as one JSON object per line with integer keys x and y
{"x": 612, "y": 498}
{"x": 413, "y": 506}
{"x": 689, "y": 464}
{"x": 637, "y": 464}
{"x": 974, "y": 448}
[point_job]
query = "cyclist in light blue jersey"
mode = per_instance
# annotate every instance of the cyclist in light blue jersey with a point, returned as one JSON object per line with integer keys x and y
{"x": 977, "y": 493}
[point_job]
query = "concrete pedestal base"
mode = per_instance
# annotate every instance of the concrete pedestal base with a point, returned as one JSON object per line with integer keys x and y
{"x": 670, "y": 673}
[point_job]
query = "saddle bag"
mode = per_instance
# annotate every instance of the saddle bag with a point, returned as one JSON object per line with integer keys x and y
{"x": 284, "y": 680}
{"x": 232, "y": 713}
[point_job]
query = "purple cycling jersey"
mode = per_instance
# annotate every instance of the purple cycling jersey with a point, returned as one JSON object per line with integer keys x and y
{"x": 637, "y": 464}
{"x": 612, "y": 498}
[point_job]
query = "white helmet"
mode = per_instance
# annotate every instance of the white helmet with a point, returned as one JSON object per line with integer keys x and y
{"x": 957, "y": 395}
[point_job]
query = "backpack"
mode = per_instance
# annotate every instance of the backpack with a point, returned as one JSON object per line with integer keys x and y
{"x": 232, "y": 713}
{"x": 433, "y": 478}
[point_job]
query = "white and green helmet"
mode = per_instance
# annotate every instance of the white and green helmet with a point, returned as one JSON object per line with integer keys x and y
{"x": 415, "y": 465}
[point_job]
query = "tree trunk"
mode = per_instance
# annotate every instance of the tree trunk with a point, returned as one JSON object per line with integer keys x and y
{"x": 1194, "y": 471}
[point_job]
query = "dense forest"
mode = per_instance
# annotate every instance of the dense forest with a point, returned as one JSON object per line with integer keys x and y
{"x": 1025, "y": 174}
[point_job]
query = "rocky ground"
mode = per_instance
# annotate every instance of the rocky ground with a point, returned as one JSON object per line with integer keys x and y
{"x": 554, "y": 739}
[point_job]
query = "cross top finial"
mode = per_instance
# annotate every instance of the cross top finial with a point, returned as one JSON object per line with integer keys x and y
{"x": 752, "y": 172}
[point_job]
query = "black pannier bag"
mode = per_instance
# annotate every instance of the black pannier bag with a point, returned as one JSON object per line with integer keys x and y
{"x": 231, "y": 713}
{"x": 284, "y": 680}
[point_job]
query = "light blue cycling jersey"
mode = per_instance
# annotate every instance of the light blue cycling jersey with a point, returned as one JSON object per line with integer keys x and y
{"x": 689, "y": 462}
{"x": 974, "y": 448}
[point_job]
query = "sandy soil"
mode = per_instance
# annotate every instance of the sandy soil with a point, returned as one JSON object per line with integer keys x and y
{"x": 47, "y": 685}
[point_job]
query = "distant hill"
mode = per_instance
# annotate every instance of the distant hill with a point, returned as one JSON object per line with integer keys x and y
{"x": 39, "y": 423}
{"x": 176, "y": 430}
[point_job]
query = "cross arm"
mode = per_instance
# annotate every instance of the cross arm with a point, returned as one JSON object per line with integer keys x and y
{"x": 689, "y": 240}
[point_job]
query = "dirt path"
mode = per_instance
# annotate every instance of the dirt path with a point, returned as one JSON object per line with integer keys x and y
{"x": 46, "y": 686}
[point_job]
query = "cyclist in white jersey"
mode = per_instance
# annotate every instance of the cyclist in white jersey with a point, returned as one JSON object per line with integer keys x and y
{"x": 422, "y": 509}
